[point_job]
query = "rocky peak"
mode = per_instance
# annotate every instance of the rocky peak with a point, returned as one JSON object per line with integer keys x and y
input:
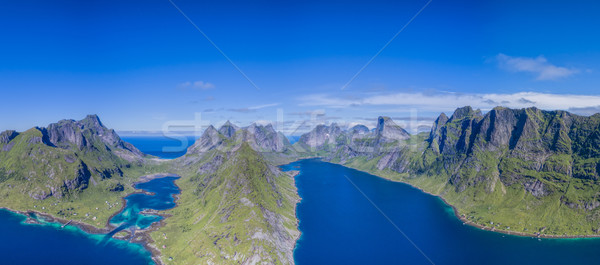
{"x": 435, "y": 136}
{"x": 83, "y": 133}
{"x": 7, "y": 136}
{"x": 437, "y": 125}
{"x": 228, "y": 129}
{"x": 264, "y": 138}
{"x": 210, "y": 139}
{"x": 321, "y": 134}
{"x": 88, "y": 133}
{"x": 92, "y": 121}
{"x": 66, "y": 133}
{"x": 359, "y": 129}
{"x": 388, "y": 129}
{"x": 465, "y": 112}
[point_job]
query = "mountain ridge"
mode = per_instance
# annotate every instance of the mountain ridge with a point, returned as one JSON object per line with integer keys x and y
{"x": 480, "y": 163}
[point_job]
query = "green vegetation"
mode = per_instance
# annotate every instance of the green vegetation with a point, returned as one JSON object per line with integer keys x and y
{"x": 241, "y": 211}
{"x": 68, "y": 182}
{"x": 527, "y": 171}
{"x": 235, "y": 206}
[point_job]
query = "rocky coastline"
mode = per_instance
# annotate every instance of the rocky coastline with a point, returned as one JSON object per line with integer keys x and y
{"x": 466, "y": 221}
{"x": 141, "y": 237}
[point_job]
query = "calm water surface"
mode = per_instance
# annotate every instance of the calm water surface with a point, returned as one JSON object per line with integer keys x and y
{"x": 340, "y": 225}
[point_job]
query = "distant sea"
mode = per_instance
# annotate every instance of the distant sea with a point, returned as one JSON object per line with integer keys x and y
{"x": 161, "y": 146}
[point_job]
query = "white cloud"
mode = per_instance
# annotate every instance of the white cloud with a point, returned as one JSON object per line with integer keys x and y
{"x": 202, "y": 85}
{"x": 447, "y": 101}
{"x": 263, "y": 106}
{"x": 254, "y": 108}
{"x": 538, "y": 66}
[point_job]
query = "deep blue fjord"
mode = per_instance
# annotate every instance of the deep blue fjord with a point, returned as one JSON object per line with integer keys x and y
{"x": 340, "y": 225}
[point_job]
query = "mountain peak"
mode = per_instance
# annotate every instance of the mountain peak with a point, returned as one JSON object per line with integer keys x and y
{"x": 92, "y": 120}
{"x": 359, "y": 129}
{"x": 228, "y": 129}
{"x": 7, "y": 136}
{"x": 464, "y": 112}
{"x": 387, "y": 128}
{"x": 210, "y": 128}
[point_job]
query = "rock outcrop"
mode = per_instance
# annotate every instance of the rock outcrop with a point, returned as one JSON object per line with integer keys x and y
{"x": 262, "y": 138}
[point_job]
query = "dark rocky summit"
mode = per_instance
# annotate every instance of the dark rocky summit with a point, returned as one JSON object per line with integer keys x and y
{"x": 262, "y": 138}
{"x": 65, "y": 157}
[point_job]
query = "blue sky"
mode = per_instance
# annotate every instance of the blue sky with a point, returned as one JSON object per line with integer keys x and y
{"x": 141, "y": 65}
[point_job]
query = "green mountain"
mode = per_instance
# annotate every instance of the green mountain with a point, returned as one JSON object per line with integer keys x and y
{"x": 236, "y": 207}
{"x": 67, "y": 169}
{"x": 524, "y": 170}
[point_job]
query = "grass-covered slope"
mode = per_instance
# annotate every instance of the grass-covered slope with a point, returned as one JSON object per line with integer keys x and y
{"x": 70, "y": 169}
{"x": 234, "y": 208}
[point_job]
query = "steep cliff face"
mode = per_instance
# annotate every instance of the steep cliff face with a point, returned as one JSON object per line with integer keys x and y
{"x": 64, "y": 158}
{"x": 389, "y": 131}
{"x": 508, "y": 162}
{"x": 230, "y": 137}
{"x": 322, "y": 137}
{"x": 87, "y": 134}
{"x": 265, "y": 138}
{"x": 538, "y": 150}
{"x": 210, "y": 139}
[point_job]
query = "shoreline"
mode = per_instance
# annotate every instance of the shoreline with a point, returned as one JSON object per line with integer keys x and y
{"x": 294, "y": 174}
{"x": 460, "y": 217}
{"x": 466, "y": 221}
{"x": 141, "y": 237}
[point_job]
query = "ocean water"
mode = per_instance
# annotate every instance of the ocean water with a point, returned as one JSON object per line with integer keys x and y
{"x": 293, "y": 139}
{"x": 161, "y": 146}
{"x": 350, "y": 217}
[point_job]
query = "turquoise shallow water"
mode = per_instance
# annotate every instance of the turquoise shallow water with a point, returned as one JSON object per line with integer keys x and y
{"x": 161, "y": 197}
{"x": 340, "y": 225}
{"x": 23, "y": 243}
{"x": 48, "y": 243}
